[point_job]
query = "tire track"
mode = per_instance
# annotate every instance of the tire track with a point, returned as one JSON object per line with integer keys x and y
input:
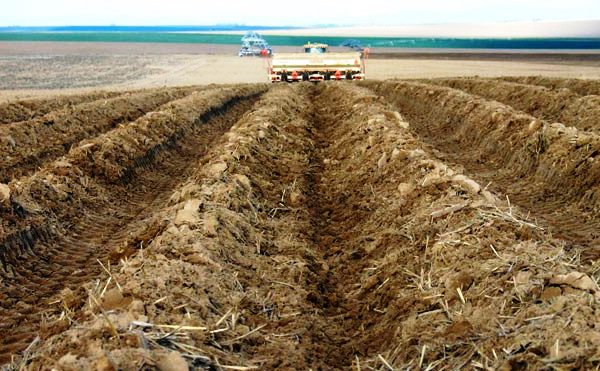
{"x": 30, "y": 144}
{"x": 113, "y": 228}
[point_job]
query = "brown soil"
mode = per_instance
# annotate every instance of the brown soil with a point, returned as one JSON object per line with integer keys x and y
{"x": 562, "y": 106}
{"x": 548, "y": 169}
{"x": 32, "y": 108}
{"x": 581, "y": 58}
{"x": 30, "y": 144}
{"x": 63, "y": 71}
{"x": 41, "y": 69}
{"x": 582, "y": 87}
{"x": 87, "y": 206}
{"x": 333, "y": 226}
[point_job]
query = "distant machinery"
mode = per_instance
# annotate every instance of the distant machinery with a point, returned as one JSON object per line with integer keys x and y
{"x": 253, "y": 45}
{"x": 353, "y": 44}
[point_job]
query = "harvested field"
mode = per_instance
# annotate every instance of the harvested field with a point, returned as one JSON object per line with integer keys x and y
{"x": 40, "y": 69}
{"x": 581, "y": 87}
{"x": 64, "y": 71}
{"x": 380, "y": 225}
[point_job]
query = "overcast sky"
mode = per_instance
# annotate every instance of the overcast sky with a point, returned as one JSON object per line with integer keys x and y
{"x": 273, "y": 13}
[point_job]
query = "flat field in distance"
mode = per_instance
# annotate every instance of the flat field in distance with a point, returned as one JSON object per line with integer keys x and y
{"x": 29, "y": 69}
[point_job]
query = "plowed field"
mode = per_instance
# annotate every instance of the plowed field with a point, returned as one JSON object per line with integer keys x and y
{"x": 443, "y": 224}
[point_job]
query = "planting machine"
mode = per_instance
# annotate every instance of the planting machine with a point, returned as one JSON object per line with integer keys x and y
{"x": 316, "y": 63}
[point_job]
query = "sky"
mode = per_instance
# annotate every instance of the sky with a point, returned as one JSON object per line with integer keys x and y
{"x": 282, "y": 13}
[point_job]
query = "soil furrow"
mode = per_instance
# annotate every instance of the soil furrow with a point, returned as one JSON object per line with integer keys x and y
{"x": 407, "y": 242}
{"x": 547, "y": 169}
{"x": 229, "y": 225}
{"x": 582, "y": 87}
{"x": 556, "y": 106}
{"x": 28, "y": 109}
{"x": 29, "y": 145}
{"x": 319, "y": 233}
{"x": 109, "y": 227}
{"x": 66, "y": 185}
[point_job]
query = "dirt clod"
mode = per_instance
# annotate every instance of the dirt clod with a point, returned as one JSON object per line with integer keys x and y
{"x": 113, "y": 299}
{"x": 4, "y": 192}
{"x": 104, "y": 364}
{"x": 173, "y": 362}
{"x": 189, "y": 214}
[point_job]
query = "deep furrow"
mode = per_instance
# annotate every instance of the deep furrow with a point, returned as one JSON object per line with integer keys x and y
{"x": 265, "y": 153}
{"x": 321, "y": 233}
{"x": 88, "y": 172}
{"x": 546, "y": 169}
{"x": 31, "y": 144}
{"x": 118, "y": 223}
{"x": 98, "y": 222}
{"x": 581, "y": 87}
{"x": 406, "y": 277}
{"x": 555, "y": 106}
{"x": 559, "y": 215}
{"x": 28, "y": 109}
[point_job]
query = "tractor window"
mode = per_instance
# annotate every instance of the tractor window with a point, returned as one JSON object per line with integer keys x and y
{"x": 315, "y": 49}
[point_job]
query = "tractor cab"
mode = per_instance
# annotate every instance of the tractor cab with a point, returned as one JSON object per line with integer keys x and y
{"x": 316, "y": 48}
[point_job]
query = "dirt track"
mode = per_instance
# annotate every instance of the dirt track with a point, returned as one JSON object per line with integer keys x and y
{"x": 372, "y": 226}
